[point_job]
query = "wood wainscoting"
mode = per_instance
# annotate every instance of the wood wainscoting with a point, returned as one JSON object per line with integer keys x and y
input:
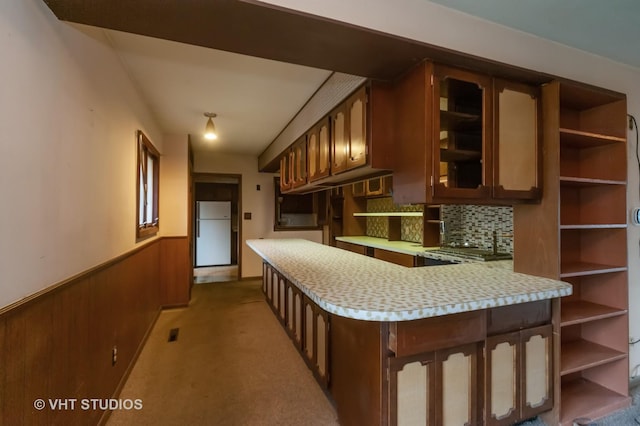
{"x": 176, "y": 272}
{"x": 59, "y": 343}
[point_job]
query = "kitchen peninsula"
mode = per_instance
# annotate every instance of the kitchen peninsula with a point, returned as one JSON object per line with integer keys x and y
{"x": 397, "y": 345}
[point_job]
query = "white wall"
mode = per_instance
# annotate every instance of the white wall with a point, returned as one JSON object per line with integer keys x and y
{"x": 259, "y": 203}
{"x": 68, "y": 117}
{"x": 433, "y": 24}
{"x": 174, "y": 185}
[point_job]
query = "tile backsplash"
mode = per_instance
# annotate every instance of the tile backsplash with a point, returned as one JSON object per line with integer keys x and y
{"x": 465, "y": 223}
{"x": 475, "y": 225}
{"x": 411, "y": 227}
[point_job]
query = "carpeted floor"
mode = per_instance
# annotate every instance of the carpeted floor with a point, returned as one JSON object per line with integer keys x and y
{"x": 232, "y": 364}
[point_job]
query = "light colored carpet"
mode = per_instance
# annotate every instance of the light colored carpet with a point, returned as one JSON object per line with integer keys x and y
{"x": 232, "y": 364}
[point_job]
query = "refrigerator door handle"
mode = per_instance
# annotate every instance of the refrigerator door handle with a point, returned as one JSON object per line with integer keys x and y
{"x": 197, "y": 228}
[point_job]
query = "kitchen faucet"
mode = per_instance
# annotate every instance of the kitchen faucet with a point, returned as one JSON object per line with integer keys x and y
{"x": 494, "y": 242}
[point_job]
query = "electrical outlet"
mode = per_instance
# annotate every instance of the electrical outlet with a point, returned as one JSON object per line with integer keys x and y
{"x": 630, "y": 123}
{"x": 114, "y": 355}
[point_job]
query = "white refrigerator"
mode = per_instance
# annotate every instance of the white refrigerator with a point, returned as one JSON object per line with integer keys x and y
{"x": 213, "y": 233}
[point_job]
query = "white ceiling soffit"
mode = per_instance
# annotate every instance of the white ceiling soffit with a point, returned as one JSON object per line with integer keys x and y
{"x": 254, "y": 98}
{"x": 605, "y": 28}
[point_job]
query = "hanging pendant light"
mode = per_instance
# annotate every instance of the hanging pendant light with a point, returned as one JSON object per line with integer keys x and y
{"x": 210, "y": 128}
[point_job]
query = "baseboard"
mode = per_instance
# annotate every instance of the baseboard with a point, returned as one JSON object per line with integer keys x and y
{"x": 257, "y": 277}
{"x": 125, "y": 376}
{"x": 174, "y": 306}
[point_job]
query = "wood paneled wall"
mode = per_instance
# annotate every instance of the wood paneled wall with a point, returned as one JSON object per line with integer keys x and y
{"x": 58, "y": 343}
{"x": 176, "y": 272}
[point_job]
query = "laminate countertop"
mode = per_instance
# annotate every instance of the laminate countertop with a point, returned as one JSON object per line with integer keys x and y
{"x": 360, "y": 287}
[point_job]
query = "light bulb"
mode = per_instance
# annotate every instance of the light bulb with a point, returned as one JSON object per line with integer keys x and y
{"x": 210, "y": 130}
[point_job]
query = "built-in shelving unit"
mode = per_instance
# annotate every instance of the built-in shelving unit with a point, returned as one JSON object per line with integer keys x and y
{"x": 431, "y": 225}
{"x": 578, "y": 234}
{"x": 593, "y": 256}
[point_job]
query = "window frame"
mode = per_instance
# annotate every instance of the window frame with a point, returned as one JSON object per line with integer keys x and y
{"x": 146, "y": 150}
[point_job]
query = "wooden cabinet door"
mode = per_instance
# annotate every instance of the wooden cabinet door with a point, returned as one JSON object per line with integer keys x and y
{"x": 265, "y": 277}
{"x": 318, "y": 148}
{"x": 374, "y": 187}
{"x": 518, "y": 375}
{"x": 359, "y": 189}
{"x": 412, "y": 390}
{"x": 537, "y": 374}
{"x": 339, "y": 140}
{"x": 502, "y": 379}
{"x": 357, "y": 113}
{"x": 315, "y": 342}
{"x": 457, "y": 386}
{"x": 285, "y": 172}
{"x": 324, "y": 148}
{"x": 299, "y": 162}
{"x": 294, "y": 319}
{"x": 516, "y": 141}
{"x": 313, "y": 151}
{"x": 462, "y": 125}
{"x": 318, "y": 151}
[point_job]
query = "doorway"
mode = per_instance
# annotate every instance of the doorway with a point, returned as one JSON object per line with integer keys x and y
{"x": 216, "y": 206}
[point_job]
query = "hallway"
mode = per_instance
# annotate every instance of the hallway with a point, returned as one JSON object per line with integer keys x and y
{"x": 232, "y": 364}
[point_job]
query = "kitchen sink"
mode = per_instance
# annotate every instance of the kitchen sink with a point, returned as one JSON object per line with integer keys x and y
{"x": 472, "y": 253}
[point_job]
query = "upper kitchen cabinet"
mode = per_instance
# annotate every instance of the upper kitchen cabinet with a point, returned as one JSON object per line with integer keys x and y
{"x": 299, "y": 162}
{"x": 516, "y": 141}
{"x": 286, "y": 171}
{"x": 318, "y": 148}
{"x": 461, "y": 103}
{"x": 456, "y": 130}
{"x": 349, "y": 133}
{"x": 353, "y": 142}
{"x": 361, "y": 133}
{"x": 339, "y": 140}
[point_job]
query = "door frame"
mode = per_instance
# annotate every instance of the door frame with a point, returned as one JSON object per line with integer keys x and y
{"x": 216, "y": 178}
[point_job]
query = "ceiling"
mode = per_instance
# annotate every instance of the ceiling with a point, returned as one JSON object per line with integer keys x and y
{"x": 255, "y": 98}
{"x": 606, "y": 28}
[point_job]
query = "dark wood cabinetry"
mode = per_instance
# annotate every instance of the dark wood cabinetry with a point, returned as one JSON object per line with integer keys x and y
{"x": 349, "y": 133}
{"x": 286, "y": 172}
{"x": 462, "y": 133}
{"x": 306, "y": 324}
{"x": 354, "y": 141}
{"x": 318, "y": 150}
{"x": 438, "y": 374}
{"x": 517, "y": 141}
{"x": 524, "y": 358}
{"x": 485, "y": 366}
{"x": 381, "y": 186}
{"x": 298, "y": 163}
{"x": 339, "y": 139}
{"x": 452, "y": 128}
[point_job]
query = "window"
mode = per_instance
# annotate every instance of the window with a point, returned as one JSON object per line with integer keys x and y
{"x": 299, "y": 211}
{"x": 148, "y": 188}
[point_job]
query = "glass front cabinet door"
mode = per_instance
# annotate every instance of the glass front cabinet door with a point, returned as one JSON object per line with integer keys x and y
{"x": 462, "y": 134}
